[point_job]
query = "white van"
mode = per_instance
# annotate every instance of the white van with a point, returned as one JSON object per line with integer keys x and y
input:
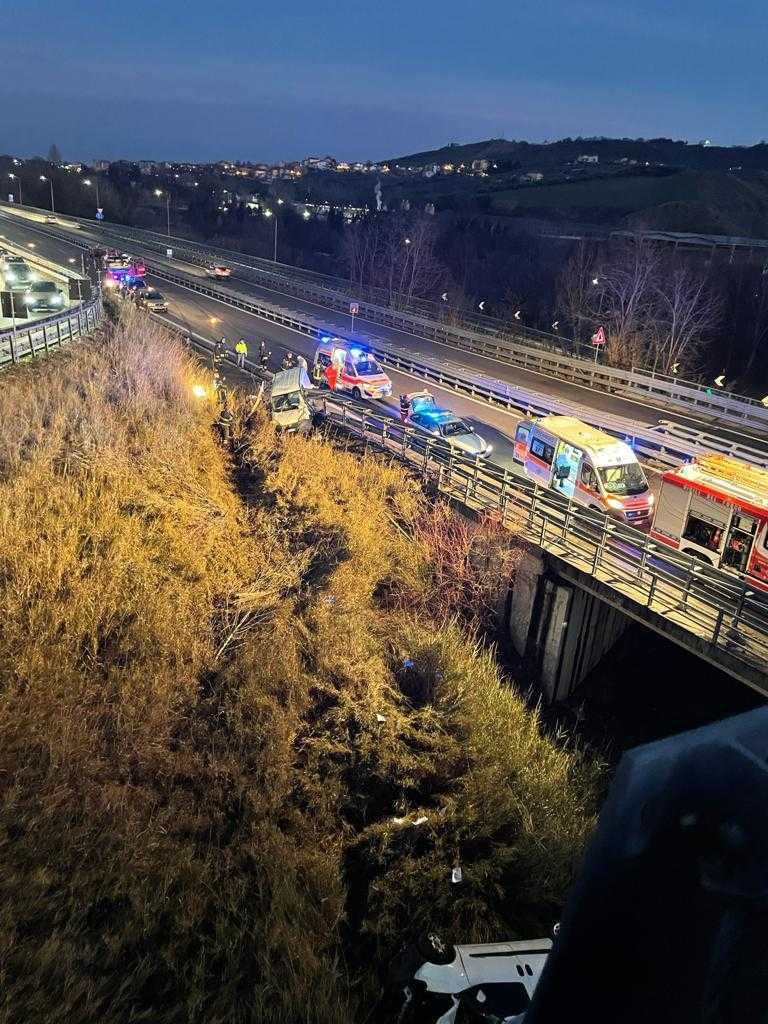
{"x": 349, "y": 367}
{"x": 489, "y": 981}
{"x": 588, "y": 465}
{"x": 289, "y": 406}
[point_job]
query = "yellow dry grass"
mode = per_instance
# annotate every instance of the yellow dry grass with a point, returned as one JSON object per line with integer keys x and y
{"x": 206, "y": 728}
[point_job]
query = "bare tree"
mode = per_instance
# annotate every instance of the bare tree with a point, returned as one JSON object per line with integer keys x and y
{"x": 395, "y": 252}
{"x": 685, "y": 311}
{"x": 623, "y": 300}
{"x": 574, "y": 288}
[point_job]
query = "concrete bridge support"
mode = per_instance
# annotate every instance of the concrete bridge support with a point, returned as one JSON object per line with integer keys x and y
{"x": 559, "y": 630}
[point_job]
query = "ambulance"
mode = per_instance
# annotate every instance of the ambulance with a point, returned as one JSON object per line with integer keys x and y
{"x": 585, "y": 465}
{"x": 716, "y": 508}
{"x": 352, "y": 369}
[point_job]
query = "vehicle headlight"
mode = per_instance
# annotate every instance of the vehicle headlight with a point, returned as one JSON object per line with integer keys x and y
{"x": 488, "y": 449}
{"x": 10, "y": 276}
{"x": 615, "y": 503}
{"x": 651, "y": 499}
{"x": 29, "y": 299}
{"x": 57, "y": 300}
{"x": 33, "y": 277}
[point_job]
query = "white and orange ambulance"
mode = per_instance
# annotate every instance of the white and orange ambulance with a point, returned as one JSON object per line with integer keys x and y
{"x": 716, "y": 508}
{"x": 354, "y": 369}
{"x": 586, "y": 465}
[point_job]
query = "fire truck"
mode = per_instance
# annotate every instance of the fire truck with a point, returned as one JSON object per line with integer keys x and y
{"x": 716, "y": 508}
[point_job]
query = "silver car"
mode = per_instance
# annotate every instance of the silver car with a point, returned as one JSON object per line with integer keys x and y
{"x": 439, "y": 423}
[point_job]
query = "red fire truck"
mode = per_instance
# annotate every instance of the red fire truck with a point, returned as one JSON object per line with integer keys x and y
{"x": 716, "y": 508}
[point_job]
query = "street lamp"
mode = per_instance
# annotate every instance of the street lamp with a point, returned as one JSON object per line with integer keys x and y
{"x": 50, "y": 182}
{"x": 87, "y": 181}
{"x": 268, "y": 213}
{"x": 159, "y": 192}
{"x": 15, "y": 177}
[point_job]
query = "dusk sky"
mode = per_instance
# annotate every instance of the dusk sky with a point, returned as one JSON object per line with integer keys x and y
{"x": 239, "y": 80}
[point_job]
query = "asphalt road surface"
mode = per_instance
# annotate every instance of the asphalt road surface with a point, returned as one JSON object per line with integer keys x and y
{"x": 211, "y": 318}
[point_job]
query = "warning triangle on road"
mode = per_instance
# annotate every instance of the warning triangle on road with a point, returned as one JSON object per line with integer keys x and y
{"x": 598, "y": 338}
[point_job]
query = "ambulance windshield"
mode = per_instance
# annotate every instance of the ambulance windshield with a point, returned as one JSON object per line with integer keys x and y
{"x": 366, "y": 365}
{"x": 626, "y": 479}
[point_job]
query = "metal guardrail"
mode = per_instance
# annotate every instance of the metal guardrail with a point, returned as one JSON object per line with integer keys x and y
{"x": 665, "y": 446}
{"x": 43, "y": 336}
{"x": 531, "y": 350}
{"x": 723, "y": 610}
{"x": 658, "y": 446}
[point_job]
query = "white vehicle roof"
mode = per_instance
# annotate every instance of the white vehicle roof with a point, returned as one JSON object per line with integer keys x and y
{"x": 488, "y": 962}
{"x": 604, "y": 449}
{"x": 287, "y": 381}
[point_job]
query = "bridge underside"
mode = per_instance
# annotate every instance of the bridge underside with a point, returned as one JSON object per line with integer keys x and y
{"x": 563, "y": 621}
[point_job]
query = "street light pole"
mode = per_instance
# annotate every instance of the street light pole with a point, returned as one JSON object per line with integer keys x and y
{"x": 50, "y": 182}
{"x": 15, "y": 177}
{"x": 168, "y": 213}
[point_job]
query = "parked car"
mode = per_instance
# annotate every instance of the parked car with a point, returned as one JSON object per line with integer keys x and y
{"x": 220, "y": 270}
{"x": 435, "y": 983}
{"x": 428, "y": 418}
{"x": 151, "y": 299}
{"x": 50, "y": 219}
{"x": 43, "y": 296}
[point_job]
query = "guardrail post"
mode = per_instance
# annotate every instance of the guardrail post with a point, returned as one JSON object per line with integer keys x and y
{"x": 58, "y": 333}
{"x": 45, "y": 337}
{"x": 32, "y": 341}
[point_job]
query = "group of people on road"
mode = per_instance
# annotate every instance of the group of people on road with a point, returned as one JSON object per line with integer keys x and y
{"x": 221, "y": 349}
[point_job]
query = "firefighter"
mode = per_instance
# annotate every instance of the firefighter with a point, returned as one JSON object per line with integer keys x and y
{"x": 288, "y": 361}
{"x": 224, "y": 423}
{"x": 219, "y": 352}
{"x": 405, "y": 407}
{"x": 242, "y": 351}
{"x": 264, "y": 355}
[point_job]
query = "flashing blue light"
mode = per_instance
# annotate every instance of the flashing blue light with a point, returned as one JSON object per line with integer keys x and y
{"x": 355, "y": 352}
{"x": 325, "y": 337}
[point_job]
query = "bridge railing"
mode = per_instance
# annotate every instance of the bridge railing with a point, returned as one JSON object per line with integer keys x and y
{"x": 527, "y": 349}
{"x": 42, "y": 336}
{"x": 723, "y": 610}
{"x": 663, "y": 448}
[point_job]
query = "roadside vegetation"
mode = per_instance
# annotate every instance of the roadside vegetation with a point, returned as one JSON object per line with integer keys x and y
{"x": 231, "y": 684}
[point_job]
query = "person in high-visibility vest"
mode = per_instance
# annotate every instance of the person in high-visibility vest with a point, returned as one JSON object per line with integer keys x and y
{"x": 242, "y": 351}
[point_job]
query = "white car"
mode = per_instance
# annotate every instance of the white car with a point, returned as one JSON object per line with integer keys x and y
{"x": 429, "y": 418}
{"x": 457, "y": 984}
{"x": 220, "y": 270}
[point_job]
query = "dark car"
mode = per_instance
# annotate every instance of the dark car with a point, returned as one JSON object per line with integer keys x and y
{"x": 152, "y": 299}
{"x": 43, "y": 296}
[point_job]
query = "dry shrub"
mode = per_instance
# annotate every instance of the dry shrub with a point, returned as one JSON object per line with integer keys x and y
{"x": 207, "y": 724}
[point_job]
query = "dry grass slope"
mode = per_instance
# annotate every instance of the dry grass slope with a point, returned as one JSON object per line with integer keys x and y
{"x": 207, "y": 723}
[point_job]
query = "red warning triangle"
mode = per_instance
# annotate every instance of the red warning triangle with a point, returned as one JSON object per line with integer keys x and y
{"x": 598, "y": 338}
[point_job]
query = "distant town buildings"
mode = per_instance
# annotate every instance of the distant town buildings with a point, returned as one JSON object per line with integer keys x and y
{"x": 588, "y": 158}
{"x": 532, "y": 176}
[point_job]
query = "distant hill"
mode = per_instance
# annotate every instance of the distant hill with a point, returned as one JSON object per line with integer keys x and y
{"x": 709, "y": 202}
{"x": 541, "y": 156}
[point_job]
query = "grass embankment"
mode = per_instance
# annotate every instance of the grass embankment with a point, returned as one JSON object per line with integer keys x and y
{"x": 222, "y": 708}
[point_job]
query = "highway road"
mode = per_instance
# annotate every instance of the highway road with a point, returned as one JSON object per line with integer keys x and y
{"x": 209, "y": 318}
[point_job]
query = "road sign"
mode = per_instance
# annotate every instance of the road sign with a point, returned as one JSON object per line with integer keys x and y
{"x": 598, "y": 338}
{"x": 169, "y": 253}
{"x": 10, "y": 197}
{"x": 354, "y": 308}
{"x": 99, "y": 213}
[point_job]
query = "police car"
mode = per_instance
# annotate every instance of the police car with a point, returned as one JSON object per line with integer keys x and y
{"x": 427, "y": 417}
{"x": 436, "y": 983}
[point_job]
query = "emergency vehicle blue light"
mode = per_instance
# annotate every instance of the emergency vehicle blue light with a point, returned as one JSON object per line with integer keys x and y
{"x": 355, "y": 351}
{"x": 325, "y": 337}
